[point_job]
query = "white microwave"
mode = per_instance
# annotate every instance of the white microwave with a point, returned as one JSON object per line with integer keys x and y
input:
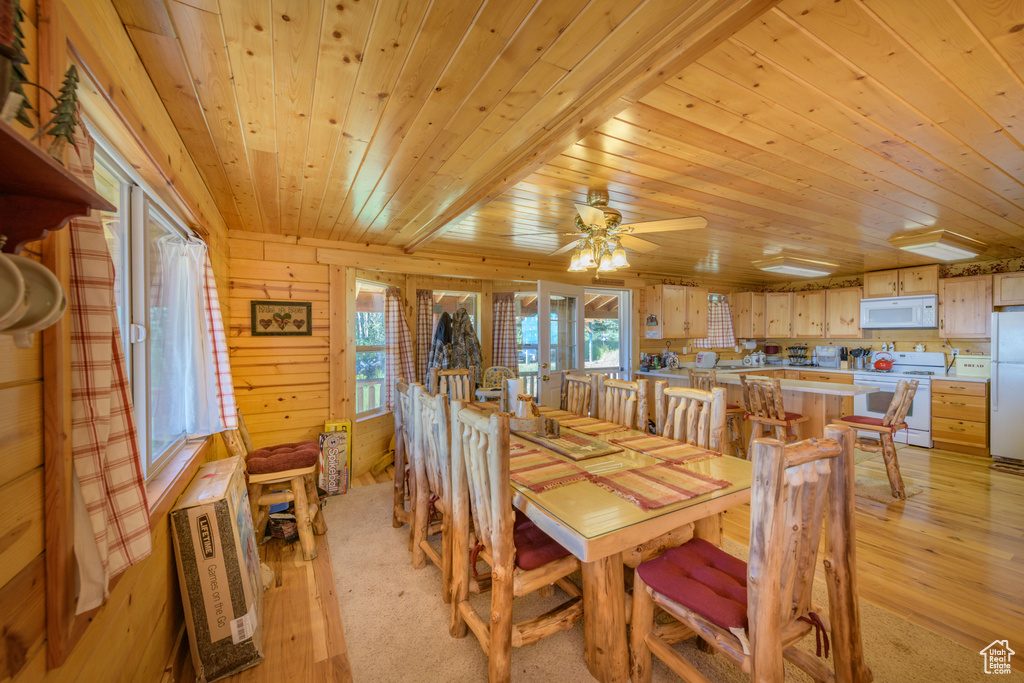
{"x": 900, "y": 313}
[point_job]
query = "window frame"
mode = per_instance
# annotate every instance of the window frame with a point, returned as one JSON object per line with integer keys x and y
{"x": 374, "y": 348}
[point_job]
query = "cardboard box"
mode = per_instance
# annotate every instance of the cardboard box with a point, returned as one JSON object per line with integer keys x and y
{"x": 973, "y": 366}
{"x": 219, "y": 570}
{"x": 335, "y": 462}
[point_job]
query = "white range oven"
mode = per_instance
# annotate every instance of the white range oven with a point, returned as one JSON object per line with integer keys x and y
{"x": 906, "y": 365}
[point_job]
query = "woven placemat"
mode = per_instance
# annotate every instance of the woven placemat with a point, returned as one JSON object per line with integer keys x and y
{"x": 664, "y": 448}
{"x": 591, "y": 425}
{"x": 539, "y": 471}
{"x": 656, "y": 486}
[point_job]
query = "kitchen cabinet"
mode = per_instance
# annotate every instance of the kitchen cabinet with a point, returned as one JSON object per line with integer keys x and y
{"x": 809, "y": 314}
{"x": 960, "y": 416}
{"x": 965, "y": 307}
{"x": 1008, "y": 289}
{"x": 901, "y": 282}
{"x": 842, "y": 313}
{"x": 778, "y": 313}
{"x": 678, "y": 312}
{"x": 747, "y": 310}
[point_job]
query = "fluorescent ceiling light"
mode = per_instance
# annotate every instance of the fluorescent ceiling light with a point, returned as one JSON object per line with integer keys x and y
{"x": 938, "y": 244}
{"x": 787, "y": 265}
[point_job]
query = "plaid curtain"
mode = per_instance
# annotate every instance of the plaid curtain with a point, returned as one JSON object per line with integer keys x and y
{"x": 218, "y": 341}
{"x": 105, "y": 451}
{"x": 424, "y": 332}
{"x": 505, "y": 352}
{"x": 399, "y": 357}
{"x": 720, "y": 332}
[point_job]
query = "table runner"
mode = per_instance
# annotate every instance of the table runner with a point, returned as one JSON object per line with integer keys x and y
{"x": 663, "y": 448}
{"x": 572, "y": 446}
{"x": 539, "y": 471}
{"x": 656, "y": 486}
{"x": 556, "y": 413}
{"x": 591, "y": 425}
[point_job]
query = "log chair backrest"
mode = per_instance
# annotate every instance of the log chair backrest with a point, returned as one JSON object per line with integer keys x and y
{"x": 238, "y": 441}
{"x": 762, "y": 397}
{"x": 432, "y": 442}
{"x": 705, "y": 380}
{"x": 577, "y": 391}
{"x": 458, "y": 384}
{"x": 902, "y": 399}
{"x": 624, "y": 403}
{"x": 791, "y": 486}
{"x": 480, "y": 474}
{"x": 693, "y": 416}
{"x": 403, "y": 422}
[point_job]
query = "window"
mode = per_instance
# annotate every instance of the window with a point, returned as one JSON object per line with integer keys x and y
{"x": 370, "y": 347}
{"x": 156, "y": 308}
{"x": 526, "y": 338}
{"x": 602, "y": 337}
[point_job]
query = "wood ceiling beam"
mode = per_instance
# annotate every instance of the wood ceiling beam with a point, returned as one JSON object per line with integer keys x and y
{"x": 696, "y": 33}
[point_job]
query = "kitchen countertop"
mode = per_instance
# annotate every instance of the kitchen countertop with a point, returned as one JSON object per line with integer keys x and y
{"x": 732, "y": 369}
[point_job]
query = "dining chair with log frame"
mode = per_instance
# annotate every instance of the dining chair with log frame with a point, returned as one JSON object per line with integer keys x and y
{"x": 762, "y": 403}
{"x": 708, "y": 380}
{"x": 623, "y": 402}
{"x": 459, "y": 384}
{"x": 577, "y": 392}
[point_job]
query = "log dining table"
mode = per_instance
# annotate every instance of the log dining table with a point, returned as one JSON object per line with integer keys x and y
{"x": 598, "y": 527}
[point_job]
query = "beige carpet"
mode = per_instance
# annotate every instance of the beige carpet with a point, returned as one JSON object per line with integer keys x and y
{"x": 396, "y": 626}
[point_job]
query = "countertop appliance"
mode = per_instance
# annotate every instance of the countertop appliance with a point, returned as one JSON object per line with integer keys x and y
{"x": 798, "y": 355}
{"x": 706, "y": 359}
{"x": 1006, "y": 428}
{"x": 905, "y": 365}
{"x": 900, "y": 313}
{"x": 827, "y": 356}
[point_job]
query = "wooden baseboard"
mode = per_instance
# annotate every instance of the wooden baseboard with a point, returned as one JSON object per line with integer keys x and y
{"x": 179, "y": 664}
{"x": 960, "y": 448}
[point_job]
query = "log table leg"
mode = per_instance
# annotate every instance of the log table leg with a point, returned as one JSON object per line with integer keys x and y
{"x": 710, "y": 529}
{"x": 604, "y": 620}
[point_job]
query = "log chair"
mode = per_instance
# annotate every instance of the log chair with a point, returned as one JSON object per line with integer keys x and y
{"x": 403, "y": 447}
{"x": 762, "y": 405}
{"x": 522, "y": 558}
{"x": 288, "y": 472}
{"x": 757, "y": 628}
{"x": 708, "y": 380}
{"x": 623, "y": 403}
{"x": 886, "y": 428}
{"x": 457, "y": 384}
{"x": 576, "y": 393}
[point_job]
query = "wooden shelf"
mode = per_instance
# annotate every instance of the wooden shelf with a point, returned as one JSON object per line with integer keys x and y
{"x": 36, "y": 193}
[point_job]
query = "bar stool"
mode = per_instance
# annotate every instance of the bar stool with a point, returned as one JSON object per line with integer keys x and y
{"x": 762, "y": 403}
{"x": 706, "y": 380}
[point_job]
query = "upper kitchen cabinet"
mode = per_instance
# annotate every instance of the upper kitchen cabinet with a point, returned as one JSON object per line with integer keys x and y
{"x": 842, "y": 317}
{"x": 809, "y": 314}
{"x": 901, "y": 282}
{"x": 676, "y": 312}
{"x": 778, "y": 313}
{"x": 1008, "y": 289}
{"x": 965, "y": 307}
{"x": 747, "y": 309}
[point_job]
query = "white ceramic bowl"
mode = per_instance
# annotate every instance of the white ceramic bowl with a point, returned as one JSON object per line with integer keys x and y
{"x": 46, "y": 301}
{"x": 13, "y": 299}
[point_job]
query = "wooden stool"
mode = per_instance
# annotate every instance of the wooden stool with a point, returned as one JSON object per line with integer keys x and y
{"x": 706, "y": 380}
{"x": 762, "y": 403}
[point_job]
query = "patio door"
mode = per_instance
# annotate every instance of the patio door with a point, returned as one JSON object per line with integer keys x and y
{"x": 559, "y": 336}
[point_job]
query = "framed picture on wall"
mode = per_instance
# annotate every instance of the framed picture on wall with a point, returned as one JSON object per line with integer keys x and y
{"x": 282, "y": 318}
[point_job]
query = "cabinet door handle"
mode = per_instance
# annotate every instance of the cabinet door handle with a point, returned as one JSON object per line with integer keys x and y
{"x": 958, "y": 429}
{"x": 953, "y": 387}
{"x": 901, "y": 285}
{"x": 956, "y": 403}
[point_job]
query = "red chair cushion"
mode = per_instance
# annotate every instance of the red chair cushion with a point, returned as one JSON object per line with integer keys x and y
{"x": 704, "y": 578}
{"x": 731, "y": 406}
{"x": 872, "y": 421}
{"x": 534, "y": 548}
{"x": 287, "y": 456}
{"x": 789, "y": 416}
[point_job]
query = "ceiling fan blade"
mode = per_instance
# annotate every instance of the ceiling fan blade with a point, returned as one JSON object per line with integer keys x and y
{"x": 566, "y": 248}
{"x": 590, "y": 215}
{"x": 637, "y": 244}
{"x": 668, "y": 225}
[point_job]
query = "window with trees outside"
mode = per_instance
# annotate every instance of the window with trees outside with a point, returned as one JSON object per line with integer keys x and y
{"x": 602, "y": 337}
{"x": 371, "y": 346}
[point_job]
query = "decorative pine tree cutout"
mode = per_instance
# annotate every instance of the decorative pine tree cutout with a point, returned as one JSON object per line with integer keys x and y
{"x": 65, "y": 115}
{"x": 17, "y": 69}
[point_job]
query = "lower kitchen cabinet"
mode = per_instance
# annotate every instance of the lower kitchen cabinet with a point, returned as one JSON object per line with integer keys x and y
{"x": 960, "y": 416}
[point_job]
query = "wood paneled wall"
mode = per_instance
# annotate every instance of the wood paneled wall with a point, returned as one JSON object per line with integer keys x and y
{"x": 132, "y": 636}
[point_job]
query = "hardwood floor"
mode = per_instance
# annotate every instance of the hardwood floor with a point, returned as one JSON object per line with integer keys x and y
{"x": 952, "y": 557}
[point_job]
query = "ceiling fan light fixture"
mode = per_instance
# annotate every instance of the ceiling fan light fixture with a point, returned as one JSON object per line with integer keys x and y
{"x": 938, "y": 244}
{"x": 799, "y": 267}
{"x": 619, "y": 257}
{"x": 606, "y": 263}
{"x": 587, "y": 256}
{"x": 575, "y": 266}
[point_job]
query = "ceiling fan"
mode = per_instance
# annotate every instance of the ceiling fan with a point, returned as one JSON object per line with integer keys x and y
{"x": 602, "y": 235}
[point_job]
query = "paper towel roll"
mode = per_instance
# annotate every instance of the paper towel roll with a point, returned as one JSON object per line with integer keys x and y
{"x": 514, "y": 387}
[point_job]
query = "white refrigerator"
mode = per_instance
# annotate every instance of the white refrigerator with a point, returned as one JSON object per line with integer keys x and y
{"x": 1006, "y": 423}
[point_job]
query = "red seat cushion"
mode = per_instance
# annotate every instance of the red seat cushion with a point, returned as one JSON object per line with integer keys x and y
{"x": 731, "y": 406}
{"x": 789, "y": 416}
{"x": 287, "y": 456}
{"x": 872, "y": 421}
{"x": 534, "y": 548}
{"x": 704, "y": 578}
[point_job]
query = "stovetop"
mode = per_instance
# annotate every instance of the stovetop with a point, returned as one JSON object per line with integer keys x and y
{"x": 909, "y": 363}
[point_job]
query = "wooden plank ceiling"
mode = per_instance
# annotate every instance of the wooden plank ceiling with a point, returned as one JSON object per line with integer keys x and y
{"x": 814, "y": 128}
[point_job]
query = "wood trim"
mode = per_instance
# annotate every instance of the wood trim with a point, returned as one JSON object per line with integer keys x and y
{"x": 341, "y": 339}
{"x": 168, "y": 484}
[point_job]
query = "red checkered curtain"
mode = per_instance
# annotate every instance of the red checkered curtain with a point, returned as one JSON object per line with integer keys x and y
{"x": 505, "y": 352}
{"x": 399, "y": 358}
{"x": 424, "y": 332}
{"x": 720, "y": 332}
{"x": 220, "y": 365}
{"x": 112, "y": 516}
